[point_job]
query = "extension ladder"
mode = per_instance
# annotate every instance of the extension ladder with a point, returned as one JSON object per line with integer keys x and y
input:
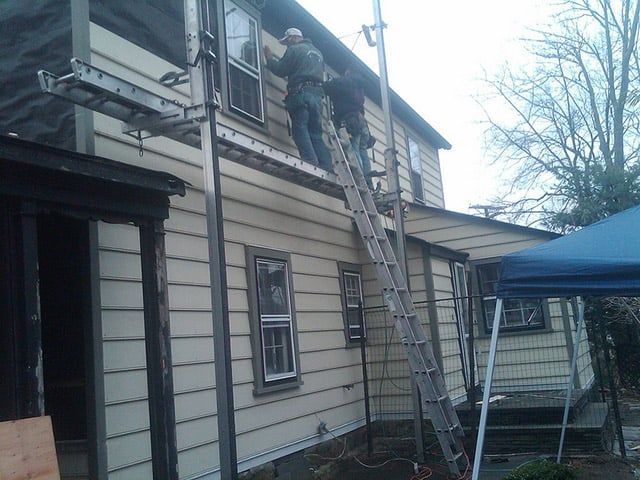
{"x": 435, "y": 399}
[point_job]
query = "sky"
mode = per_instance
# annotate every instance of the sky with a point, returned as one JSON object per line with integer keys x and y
{"x": 438, "y": 52}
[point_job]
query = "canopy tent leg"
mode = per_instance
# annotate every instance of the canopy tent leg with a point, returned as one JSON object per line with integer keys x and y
{"x": 572, "y": 374}
{"x": 487, "y": 390}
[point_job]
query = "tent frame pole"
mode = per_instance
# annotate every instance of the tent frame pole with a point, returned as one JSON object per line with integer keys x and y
{"x": 487, "y": 390}
{"x": 572, "y": 374}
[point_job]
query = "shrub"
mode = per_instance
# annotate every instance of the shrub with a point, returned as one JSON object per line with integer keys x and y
{"x": 542, "y": 470}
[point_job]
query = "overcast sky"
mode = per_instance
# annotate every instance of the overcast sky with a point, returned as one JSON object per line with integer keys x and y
{"x": 437, "y": 53}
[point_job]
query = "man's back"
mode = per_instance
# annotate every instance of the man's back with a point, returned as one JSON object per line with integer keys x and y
{"x": 347, "y": 95}
{"x": 302, "y": 62}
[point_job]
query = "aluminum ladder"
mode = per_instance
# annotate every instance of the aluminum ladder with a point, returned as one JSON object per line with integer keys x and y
{"x": 433, "y": 392}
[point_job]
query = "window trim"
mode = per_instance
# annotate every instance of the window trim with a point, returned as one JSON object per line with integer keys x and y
{"x": 411, "y": 138}
{"x": 354, "y": 269}
{"x": 484, "y": 331}
{"x": 225, "y": 91}
{"x": 261, "y": 384}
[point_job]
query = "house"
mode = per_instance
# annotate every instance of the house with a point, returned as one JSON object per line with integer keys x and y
{"x": 294, "y": 260}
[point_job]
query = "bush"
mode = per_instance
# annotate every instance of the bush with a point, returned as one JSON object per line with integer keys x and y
{"x": 542, "y": 470}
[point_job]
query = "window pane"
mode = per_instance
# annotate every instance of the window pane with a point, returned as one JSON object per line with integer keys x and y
{"x": 414, "y": 154}
{"x": 416, "y": 184}
{"x": 278, "y": 350}
{"x": 488, "y": 278}
{"x": 273, "y": 291}
{"x": 352, "y": 289}
{"x": 242, "y": 35}
{"x": 245, "y": 92}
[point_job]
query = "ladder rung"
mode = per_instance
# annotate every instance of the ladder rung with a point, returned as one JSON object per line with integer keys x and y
{"x": 450, "y": 428}
{"x": 437, "y": 400}
{"x": 424, "y": 372}
{"x": 408, "y": 315}
{"x": 397, "y": 289}
{"x": 456, "y": 457}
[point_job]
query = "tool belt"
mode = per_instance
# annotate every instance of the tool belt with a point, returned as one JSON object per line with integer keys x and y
{"x": 298, "y": 87}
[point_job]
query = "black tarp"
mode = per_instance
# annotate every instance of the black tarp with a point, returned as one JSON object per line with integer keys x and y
{"x": 35, "y": 35}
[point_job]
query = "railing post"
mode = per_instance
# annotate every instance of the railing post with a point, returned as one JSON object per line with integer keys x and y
{"x": 365, "y": 379}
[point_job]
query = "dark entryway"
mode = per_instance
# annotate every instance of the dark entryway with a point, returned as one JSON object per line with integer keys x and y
{"x": 63, "y": 271}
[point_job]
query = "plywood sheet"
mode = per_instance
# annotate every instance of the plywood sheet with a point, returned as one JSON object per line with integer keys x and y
{"x": 27, "y": 450}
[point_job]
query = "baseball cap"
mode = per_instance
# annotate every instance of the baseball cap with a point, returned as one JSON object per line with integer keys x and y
{"x": 291, "y": 32}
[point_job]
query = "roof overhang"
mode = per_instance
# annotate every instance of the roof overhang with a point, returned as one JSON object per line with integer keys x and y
{"x": 87, "y": 185}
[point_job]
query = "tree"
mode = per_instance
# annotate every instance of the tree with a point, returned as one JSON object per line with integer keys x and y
{"x": 566, "y": 129}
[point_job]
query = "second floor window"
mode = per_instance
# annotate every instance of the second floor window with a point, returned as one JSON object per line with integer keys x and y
{"x": 517, "y": 314}
{"x": 415, "y": 166}
{"x": 243, "y": 62}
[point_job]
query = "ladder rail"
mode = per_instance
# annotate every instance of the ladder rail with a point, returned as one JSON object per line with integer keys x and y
{"x": 419, "y": 353}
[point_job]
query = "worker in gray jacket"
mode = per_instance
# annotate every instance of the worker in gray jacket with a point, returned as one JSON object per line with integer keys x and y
{"x": 303, "y": 66}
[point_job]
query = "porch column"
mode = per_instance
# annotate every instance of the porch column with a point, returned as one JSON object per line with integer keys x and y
{"x": 164, "y": 451}
{"x": 31, "y": 372}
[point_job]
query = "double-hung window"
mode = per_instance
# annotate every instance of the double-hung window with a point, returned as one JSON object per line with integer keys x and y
{"x": 243, "y": 62}
{"x": 517, "y": 314}
{"x": 415, "y": 166}
{"x": 351, "y": 290}
{"x": 274, "y": 337}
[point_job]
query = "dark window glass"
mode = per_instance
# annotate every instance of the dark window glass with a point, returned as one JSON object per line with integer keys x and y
{"x": 517, "y": 314}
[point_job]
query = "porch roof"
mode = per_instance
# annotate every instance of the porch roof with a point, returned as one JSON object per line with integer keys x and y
{"x": 106, "y": 188}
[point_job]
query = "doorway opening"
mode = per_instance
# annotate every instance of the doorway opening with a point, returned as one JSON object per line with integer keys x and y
{"x": 64, "y": 279}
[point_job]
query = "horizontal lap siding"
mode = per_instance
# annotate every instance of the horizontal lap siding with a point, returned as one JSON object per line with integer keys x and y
{"x": 478, "y": 239}
{"x": 529, "y": 361}
{"x": 584, "y": 366}
{"x": 258, "y": 210}
{"x": 447, "y": 328}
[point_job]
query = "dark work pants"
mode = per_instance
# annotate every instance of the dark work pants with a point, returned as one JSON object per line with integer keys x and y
{"x": 305, "y": 109}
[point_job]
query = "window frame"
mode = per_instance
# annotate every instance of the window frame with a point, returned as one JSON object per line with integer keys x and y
{"x": 345, "y": 268}
{"x": 263, "y": 384}
{"x": 486, "y": 325}
{"x": 228, "y": 63}
{"x": 409, "y": 139}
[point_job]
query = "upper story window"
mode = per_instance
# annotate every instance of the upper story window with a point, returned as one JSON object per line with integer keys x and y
{"x": 415, "y": 166}
{"x": 273, "y": 322}
{"x": 243, "y": 62}
{"x": 517, "y": 314}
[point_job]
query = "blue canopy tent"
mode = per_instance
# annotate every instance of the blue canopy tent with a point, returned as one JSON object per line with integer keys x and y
{"x": 600, "y": 260}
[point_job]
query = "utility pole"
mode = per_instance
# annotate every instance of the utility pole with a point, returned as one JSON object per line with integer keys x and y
{"x": 391, "y": 164}
{"x": 198, "y": 20}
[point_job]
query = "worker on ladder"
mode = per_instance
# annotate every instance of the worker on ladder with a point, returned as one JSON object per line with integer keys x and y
{"x": 303, "y": 66}
{"x": 347, "y": 96}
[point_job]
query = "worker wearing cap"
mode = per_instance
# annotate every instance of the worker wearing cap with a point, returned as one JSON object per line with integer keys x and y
{"x": 303, "y": 66}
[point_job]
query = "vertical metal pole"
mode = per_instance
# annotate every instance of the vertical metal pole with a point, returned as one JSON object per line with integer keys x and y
{"x": 365, "y": 379}
{"x": 199, "y": 18}
{"x": 574, "y": 362}
{"x": 612, "y": 382}
{"x": 487, "y": 390}
{"x": 391, "y": 163}
{"x": 472, "y": 369}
